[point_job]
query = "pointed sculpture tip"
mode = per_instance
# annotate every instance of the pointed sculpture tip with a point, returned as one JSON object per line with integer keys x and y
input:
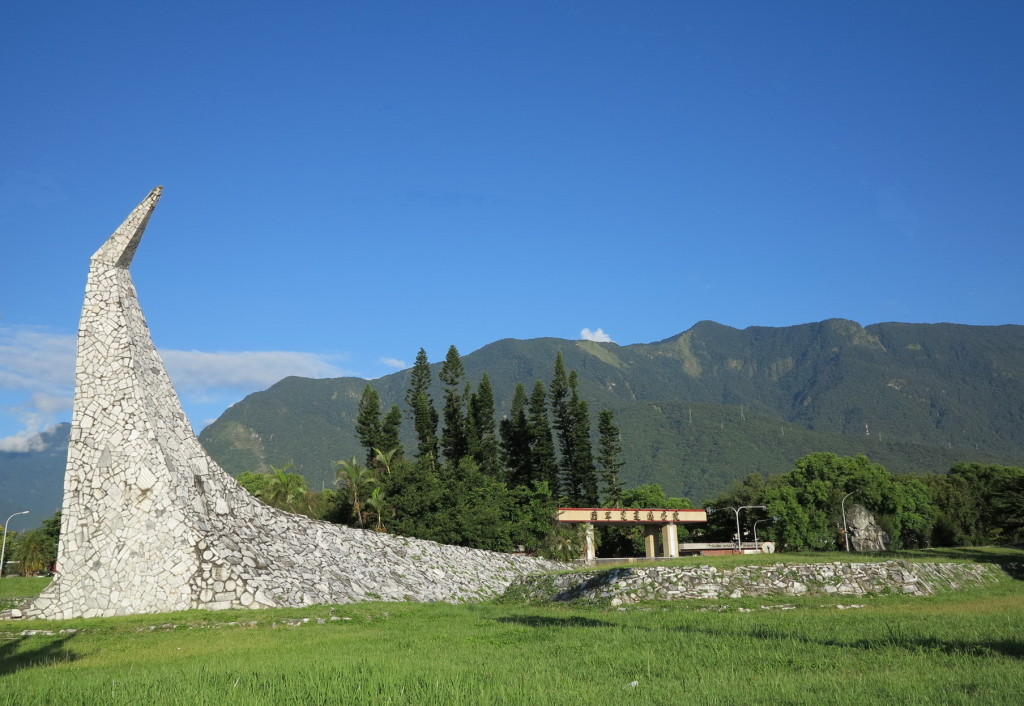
{"x": 120, "y": 247}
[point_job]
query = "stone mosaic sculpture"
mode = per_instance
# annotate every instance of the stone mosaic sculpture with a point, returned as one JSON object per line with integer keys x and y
{"x": 151, "y": 524}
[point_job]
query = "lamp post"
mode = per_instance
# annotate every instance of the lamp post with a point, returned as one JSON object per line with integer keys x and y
{"x": 3, "y": 549}
{"x": 767, "y": 519}
{"x": 736, "y": 510}
{"x": 846, "y": 530}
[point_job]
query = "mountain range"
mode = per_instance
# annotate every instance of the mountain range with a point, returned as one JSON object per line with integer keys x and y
{"x": 34, "y": 480}
{"x": 696, "y": 411}
{"x": 704, "y": 408}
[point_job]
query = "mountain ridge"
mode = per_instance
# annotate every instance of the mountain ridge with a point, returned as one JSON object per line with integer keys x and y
{"x": 697, "y": 410}
{"x": 902, "y": 391}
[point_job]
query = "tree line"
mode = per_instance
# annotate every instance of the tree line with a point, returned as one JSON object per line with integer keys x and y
{"x": 476, "y": 481}
{"x": 971, "y": 505}
{"x": 471, "y": 479}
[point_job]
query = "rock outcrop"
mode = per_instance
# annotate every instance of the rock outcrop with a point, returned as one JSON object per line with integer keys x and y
{"x": 865, "y": 534}
{"x": 151, "y": 524}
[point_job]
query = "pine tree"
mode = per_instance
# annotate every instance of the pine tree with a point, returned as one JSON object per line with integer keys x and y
{"x": 483, "y": 445}
{"x": 368, "y": 424}
{"x": 543, "y": 466}
{"x": 515, "y": 441}
{"x": 454, "y": 441}
{"x": 425, "y": 423}
{"x": 421, "y": 410}
{"x": 609, "y": 448}
{"x": 390, "y": 428}
{"x": 582, "y": 473}
{"x": 419, "y": 381}
{"x": 572, "y": 422}
{"x": 559, "y": 394}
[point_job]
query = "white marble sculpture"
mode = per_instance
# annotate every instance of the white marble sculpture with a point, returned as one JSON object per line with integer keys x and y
{"x": 151, "y": 524}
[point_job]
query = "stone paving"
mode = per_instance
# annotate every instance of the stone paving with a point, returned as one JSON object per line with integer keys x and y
{"x": 151, "y": 524}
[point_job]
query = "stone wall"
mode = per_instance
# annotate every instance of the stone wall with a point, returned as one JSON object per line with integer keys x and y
{"x": 635, "y": 584}
{"x": 151, "y": 524}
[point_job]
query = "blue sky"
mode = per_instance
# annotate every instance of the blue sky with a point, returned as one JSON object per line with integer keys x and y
{"x": 347, "y": 182}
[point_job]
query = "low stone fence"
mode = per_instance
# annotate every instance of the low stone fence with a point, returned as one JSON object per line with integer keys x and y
{"x": 635, "y": 584}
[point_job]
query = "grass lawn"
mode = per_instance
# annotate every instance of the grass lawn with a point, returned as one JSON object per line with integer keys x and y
{"x": 15, "y": 589}
{"x": 956, "y": 647}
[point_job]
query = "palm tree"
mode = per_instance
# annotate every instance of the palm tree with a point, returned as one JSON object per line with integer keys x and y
{"x": 355, "y": 477}
{"x": 384, "y": 459}
{"x": 35, "y": 551}
{"x": 566, "y": 542}
{"x": 283, "y": 489}
{"x": 379, "y": 505}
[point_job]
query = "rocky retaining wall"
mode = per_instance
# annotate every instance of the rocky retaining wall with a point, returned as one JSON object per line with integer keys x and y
{"x": 635, "y": 584}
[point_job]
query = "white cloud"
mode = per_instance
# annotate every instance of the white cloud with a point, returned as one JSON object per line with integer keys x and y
{"x": 599, "y": 335}
{"x": 394, "y": 363}
{"x": 22, "y": 442}
{"x": 52, "y": 404}
{"x": 37, "y": 374}
{"x": 37, "y": 377}
{"x": 32, "y": 358}
{"x": 195, "y": 371}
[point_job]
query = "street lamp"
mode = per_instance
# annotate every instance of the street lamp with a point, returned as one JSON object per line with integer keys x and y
{"x": 773, "y": 518}
{"x": 736, "y": 510}
{"x": 3, "y": 549}
{"x": 846, "y": 530}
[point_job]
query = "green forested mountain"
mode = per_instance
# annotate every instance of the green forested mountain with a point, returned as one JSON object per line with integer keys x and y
{"x": 33, "y": 480}
{"x": 706, "y": 407}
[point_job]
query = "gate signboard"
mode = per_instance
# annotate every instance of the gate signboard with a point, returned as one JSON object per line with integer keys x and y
{"x": 632, "y": 516}
{"x": 667, "y": 519}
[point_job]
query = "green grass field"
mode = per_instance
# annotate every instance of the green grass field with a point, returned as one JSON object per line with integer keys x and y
{"x": 957, "y": 647}
{"x": 15, "y": 589}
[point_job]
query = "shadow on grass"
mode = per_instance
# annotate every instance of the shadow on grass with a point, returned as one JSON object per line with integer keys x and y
{"x": 13, "y": 659}
{"x": 894, "y": 639}
{"x": 544, "y": 621}
{"x": 980, "y": 648}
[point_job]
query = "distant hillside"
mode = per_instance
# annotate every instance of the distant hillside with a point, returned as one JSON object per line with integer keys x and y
{"x": 34, "y": 480}
{"x": 708, "y": 406}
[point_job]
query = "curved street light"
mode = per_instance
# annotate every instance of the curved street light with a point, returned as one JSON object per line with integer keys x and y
{"x": 846, "y": 530}
{"x": 773, "y": 518}
{"x": 736, "y": 510}
{"x": 3, "y": 550}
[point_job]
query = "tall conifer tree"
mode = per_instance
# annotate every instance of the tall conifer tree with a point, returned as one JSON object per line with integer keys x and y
{"x": 454, "y": 441}
{"x": 608, "y": 450}
{"x": 515, "y": 441}
{"x": 559, "y": 394}
{"x": 368, "y": 424}
{"x": 390, "y": 431}
{"x": 578, "y": 482}
{"x": 483, "y": 445}
{"x": 421, "y": 410}
{"x": 543, "y": 466}
{"x": 582, "y": 473}
{"x": 419, "y": 380}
